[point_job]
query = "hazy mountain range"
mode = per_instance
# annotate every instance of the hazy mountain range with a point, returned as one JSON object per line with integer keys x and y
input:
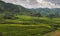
{"x": 36, "y": 3}
{"x": 18, "y": 9}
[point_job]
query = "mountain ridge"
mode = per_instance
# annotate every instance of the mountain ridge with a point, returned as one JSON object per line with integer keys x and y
{"x": 12, "y": 8}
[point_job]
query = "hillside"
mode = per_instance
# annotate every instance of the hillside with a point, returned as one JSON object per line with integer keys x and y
{"x": 17, "y": 9}
{"x": 11, "y": 8}
{"x": 16, "y": 20}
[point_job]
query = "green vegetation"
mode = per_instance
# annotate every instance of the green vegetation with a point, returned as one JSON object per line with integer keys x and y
{"x": 28, "y": 26}
{"x": 16, "y": 20}
{"x": 24, "y": 30}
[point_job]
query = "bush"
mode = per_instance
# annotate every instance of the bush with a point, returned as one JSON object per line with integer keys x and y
{"x": 9, "y": 16}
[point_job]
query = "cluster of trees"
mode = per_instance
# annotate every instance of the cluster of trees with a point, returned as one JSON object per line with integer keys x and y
{"x": 9, "y": 16}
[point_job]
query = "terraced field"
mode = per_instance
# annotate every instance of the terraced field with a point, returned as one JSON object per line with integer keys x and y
{"x": 24, "y": 30}
{"x": 29, "y": 26}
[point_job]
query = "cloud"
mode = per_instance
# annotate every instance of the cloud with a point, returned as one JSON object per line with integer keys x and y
{"x": 36, "y": 3}
{"x": 54, "y": 1}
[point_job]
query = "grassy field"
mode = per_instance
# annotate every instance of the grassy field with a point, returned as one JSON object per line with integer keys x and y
{"x": 24, "y": 30}
{"x": 28, "y": 26}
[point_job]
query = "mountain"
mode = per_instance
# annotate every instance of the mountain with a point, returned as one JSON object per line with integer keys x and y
{"x": 11, "y": 7}
{"x": 47, "y": 11}
{"x": 36, "y": 3}
{"x": 53, "y": 10}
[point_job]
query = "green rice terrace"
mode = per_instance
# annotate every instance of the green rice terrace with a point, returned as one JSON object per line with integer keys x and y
{"x": 15, "y": 20}
{"x": 29, "y": 26}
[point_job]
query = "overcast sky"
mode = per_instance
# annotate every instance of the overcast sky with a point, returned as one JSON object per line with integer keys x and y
{"x": 36, "y": 3}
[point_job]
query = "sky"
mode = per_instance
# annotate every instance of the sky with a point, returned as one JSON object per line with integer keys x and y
{"x": 36, "y": 3}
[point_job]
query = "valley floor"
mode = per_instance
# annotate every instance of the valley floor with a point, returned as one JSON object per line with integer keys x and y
{"x": 26, "y": 30}
{"x": 29, "y": 26}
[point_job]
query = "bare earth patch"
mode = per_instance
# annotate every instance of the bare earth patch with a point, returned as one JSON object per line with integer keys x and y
{"x": 56, "y": 33}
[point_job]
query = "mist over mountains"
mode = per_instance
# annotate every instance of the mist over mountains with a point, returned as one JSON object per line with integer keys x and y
{"x": 18, "y": 9}
{"x": 36, "y": 3}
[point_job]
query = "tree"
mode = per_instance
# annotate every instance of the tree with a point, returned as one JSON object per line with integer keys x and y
{"x": 51, "y": 16}
{"x": 38, "y": 15}
{"x": 9, "y": 16}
